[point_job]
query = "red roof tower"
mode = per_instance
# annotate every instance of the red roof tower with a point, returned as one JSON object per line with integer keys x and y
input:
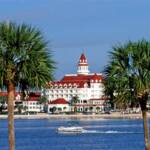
{"x": 83, "y": 65}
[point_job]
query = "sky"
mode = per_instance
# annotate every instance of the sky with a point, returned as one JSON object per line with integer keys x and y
{"x": 76, "y": 26}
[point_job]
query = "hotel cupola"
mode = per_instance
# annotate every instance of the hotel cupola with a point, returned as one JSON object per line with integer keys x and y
{"x": 83, "y": 67}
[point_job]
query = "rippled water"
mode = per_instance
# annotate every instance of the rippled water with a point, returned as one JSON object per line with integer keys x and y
{"x": 110, "y": 134}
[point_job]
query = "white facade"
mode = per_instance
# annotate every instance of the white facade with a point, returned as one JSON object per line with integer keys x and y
{"x": 67, "y": 91}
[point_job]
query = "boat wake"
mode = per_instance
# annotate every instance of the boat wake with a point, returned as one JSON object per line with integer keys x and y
{"x": 114, "y": 126}
{"x": 110, "y": 132}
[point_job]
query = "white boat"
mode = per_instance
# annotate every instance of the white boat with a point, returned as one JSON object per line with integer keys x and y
{"x": 70, "y": 129}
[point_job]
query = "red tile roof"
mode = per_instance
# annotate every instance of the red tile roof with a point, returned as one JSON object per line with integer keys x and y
{"x": 82, "y": 78}
{"x": 82, "y": 61}
{"x": 59, "y": 101}
{"x": 78, "y": 80}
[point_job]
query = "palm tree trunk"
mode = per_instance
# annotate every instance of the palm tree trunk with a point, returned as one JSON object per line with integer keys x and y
{"x": 143, "y": 102}
{"x": 146, "y": 130}
{"x": 11, "y": 96}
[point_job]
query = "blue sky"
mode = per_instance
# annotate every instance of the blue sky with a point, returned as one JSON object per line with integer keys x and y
{"x": 74, "y": 26}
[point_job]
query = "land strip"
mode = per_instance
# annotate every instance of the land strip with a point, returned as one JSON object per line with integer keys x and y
{"x": 77, "y": 116}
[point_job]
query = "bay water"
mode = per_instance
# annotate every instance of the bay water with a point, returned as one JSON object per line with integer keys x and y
{"x": 100, "y": 134}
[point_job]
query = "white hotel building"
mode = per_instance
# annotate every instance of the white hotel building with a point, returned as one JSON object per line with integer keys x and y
{"x": 87, "y": 86}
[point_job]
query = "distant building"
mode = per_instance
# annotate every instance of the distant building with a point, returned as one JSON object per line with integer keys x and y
{"x": 88, "y": 87}
{"x": 31, "y": 104}
{"x": 58, "y": 105}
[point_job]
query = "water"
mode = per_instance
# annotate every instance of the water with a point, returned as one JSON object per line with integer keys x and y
{"x": 110, "y": 134}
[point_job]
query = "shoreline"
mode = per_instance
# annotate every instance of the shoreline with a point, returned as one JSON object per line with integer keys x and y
{"x": 78, "y": 116}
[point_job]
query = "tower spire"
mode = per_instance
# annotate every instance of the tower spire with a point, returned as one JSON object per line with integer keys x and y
{"x": 83, "y": 65}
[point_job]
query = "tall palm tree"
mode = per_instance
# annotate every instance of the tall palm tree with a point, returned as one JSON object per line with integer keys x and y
{"x": 25, "y": 61}
{"x": 128, "y": 76}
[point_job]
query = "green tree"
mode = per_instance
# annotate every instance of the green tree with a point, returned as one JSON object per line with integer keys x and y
{"x": 73, "y": 102}
{"x": 128, "y": 78}
{"x": 43, "y": 100}
{"x": 25, "y": 61}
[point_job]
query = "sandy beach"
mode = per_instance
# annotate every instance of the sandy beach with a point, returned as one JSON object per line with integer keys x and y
{"x": 76, "y": 116}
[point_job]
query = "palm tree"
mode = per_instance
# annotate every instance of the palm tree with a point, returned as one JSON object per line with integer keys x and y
{"x": 25, "y": 61}
{"x": 73, "y": 102}
{"x": 128, "y": 76}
